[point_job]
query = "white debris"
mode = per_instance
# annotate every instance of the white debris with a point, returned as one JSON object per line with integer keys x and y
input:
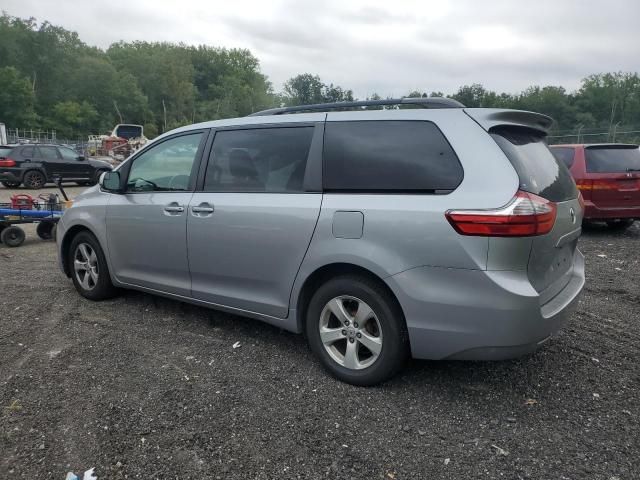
{"x": 500, "y": 451}
{"x": 602, "y": 255}
{"x": 236, "y": 345}
{"x": 446, "y": 461}
{"x": 88, "y": 475}
{"x": 596, "y": 395}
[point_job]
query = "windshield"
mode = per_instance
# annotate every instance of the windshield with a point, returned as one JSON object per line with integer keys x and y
{"x": 613, "y": 159}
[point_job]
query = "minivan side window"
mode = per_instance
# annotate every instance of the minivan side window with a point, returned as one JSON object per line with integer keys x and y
{"x": 389, "y": 156}
{"x": 271, "y": 160}
{"x": 166, "y": 166}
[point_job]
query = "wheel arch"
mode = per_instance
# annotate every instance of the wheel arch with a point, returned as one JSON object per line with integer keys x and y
{"x": 69, "y": 235}
{"x": 325, "y": 273}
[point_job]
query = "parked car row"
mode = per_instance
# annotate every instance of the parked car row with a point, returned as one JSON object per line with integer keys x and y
{"x": 34, "y": 165}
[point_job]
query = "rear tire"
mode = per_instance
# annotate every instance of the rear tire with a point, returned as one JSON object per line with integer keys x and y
{"x": 11, "y": 184}
{"x": 361, "y": 354}
{"x": 34, "y": 179}
{"x": 620, "y": 224}
{"x": 12, "y": 236}
{"x": 88, "y": 267}
{"x": 45, "y": 230}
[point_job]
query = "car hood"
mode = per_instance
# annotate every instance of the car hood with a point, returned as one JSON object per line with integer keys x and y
{"x": 100, "y": 164}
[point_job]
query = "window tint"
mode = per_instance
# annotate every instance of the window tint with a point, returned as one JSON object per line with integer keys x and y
{"x": 620, "y": 159}
{"x": 564, "y": 155}
{"x": 49, "y": 153}
{"x": 27, "y": 152}
{"x": 388, "y": 156}
{"x": 166, "y": 166}
{"x": 259, "y": 160}
{"x": 68, "y": 154}
{"x": 539, "y": 171}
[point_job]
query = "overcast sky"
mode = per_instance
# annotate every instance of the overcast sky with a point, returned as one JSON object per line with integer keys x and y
{"x": 389, "y": 47}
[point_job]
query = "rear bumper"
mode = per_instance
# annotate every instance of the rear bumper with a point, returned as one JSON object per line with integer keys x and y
{"x": 10, "y": 175}
{"x": 480, "y": 315}
{"x": 593, "y": 212}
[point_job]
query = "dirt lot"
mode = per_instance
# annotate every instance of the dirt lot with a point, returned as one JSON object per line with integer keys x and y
{"x": 143, "y": 387}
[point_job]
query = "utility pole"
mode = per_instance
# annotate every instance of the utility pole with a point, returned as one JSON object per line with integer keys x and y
{"x": 118, "y": 111}
{"x": 164, "y": 108}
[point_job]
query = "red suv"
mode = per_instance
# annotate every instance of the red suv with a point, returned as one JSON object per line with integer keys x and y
{"x": 608, "y": 175}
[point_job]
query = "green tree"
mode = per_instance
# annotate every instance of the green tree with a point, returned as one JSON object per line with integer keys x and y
{"x": 16, "y": 99}
{"x": 71, "y": 118}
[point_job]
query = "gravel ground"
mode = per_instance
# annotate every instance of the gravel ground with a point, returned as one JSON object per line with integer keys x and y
{"x": 143, "y": 387}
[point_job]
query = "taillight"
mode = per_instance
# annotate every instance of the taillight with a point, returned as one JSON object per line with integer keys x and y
{"x": 7, "y": 162}
{"x": 581, "y": 200}
{"x": 584, "y": 185}
{"x": 524, "y": 216}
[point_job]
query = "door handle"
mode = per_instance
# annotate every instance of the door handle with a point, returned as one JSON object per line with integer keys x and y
{"x": 174, "y": 209}
{"x": 203, "y": 208}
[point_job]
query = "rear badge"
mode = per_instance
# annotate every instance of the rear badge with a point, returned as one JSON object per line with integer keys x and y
{"x": 573, "y": 215}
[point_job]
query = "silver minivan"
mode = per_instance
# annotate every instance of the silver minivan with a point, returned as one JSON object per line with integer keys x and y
{"x": 380, "y": 229}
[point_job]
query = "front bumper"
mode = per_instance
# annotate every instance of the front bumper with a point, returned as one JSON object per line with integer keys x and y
{"x": 480, "y": 315}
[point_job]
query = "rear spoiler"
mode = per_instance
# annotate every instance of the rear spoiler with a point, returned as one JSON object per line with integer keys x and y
{"x": 489, "y": 118}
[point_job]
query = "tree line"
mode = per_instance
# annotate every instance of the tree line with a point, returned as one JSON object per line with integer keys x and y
{"x": 51, "y": 79}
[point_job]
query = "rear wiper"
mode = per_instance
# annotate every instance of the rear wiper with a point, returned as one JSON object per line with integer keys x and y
{"x": 633, "y": 169}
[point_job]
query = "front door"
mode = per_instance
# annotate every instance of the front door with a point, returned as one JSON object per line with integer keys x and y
{"x": 75, "y": 165}
{"x": 146, "y": 225}
{"x": 249, "y": 229}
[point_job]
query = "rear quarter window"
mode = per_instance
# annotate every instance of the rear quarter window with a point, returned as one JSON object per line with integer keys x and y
{"x": 538, "y": 170}
{"x": 618, "y": 159}
{"x": 5, "y": 151}
{"x": 564, "y": 155}
{"x": 389, "y": 156}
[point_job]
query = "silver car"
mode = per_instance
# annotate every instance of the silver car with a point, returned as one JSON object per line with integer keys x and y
{"x": 436, "y": 231}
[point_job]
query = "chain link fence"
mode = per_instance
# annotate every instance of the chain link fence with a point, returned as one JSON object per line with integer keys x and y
{"x": 615, "y": 134}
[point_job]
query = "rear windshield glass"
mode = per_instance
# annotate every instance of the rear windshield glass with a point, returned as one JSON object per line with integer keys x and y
{"x": 5, "y": 151}
{"x": 613, "y": 159}
{"x": 564, "y": 154}
{"x": 539, "y": 171}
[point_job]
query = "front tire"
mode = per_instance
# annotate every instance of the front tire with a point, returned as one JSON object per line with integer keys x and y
{"x": 88, "y": 267}
{"x": 34, "y": 179}
{"x": 357, "y": 330}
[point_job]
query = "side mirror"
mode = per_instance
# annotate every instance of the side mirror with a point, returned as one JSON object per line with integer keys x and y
{"x": 111, "y": 182}
{"x": 81, "y": 158}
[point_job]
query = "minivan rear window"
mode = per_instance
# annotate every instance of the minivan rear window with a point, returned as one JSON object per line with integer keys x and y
{"x": 613, "y": 159}
{"x": 539, "y": 171}
{"x": 389, "y": 156}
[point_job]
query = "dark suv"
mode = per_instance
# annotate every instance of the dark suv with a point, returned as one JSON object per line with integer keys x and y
{"x": 36, "y": 164}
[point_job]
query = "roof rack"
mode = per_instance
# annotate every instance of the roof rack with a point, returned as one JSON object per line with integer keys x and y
{"x": 433, "y": 102}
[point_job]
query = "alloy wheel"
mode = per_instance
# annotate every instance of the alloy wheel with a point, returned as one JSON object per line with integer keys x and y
{"x": 350, "y": 332}
{"x": 85, "y": 265}
{"x": 34, "y": 180}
